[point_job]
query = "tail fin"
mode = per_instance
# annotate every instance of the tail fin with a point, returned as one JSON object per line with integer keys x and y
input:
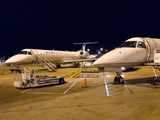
{"x": 84, "y": 47}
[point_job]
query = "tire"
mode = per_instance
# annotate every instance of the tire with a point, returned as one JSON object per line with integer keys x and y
{"x": 58, "y": 65}
{"x": 153, "y": 82}
{"x": 75, "y": 65}
{"x": 61, "y": 80}
{"x": 121, "y": 80}
{"x": 116, "y": 80}
{"x": 54, "y": 70}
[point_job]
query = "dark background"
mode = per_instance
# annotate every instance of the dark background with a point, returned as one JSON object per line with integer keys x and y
{"x": 48, "y": 24}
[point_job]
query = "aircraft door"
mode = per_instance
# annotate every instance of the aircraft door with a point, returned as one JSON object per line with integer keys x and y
{"x": 29, "y": 56}
{"x": 34, "y": 54}
{"x": 151, "y": 47}
{"x": 141, "y": 51}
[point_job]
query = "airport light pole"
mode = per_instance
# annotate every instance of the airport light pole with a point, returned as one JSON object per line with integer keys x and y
{"x": 101, "y": 49}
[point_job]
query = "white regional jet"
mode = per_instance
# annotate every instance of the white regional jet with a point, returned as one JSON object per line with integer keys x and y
{"x": 135, "y": 51}
{"x": 46, "y": 57}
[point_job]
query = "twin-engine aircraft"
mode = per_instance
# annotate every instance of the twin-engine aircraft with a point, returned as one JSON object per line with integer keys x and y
{"x": 51, "y": 59}
{"x": 27, "y": 56}
{"x": 135, "y": 51}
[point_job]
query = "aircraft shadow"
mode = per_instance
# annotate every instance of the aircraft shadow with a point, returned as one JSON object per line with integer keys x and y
{"x": 66, "y": 67}
{"x": 143, "y": 82}
{"x": 44, "y": 69}
{"x": 132, "y": 70}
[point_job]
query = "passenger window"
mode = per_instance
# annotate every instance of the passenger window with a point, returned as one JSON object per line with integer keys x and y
{"x": 141, "y": 45}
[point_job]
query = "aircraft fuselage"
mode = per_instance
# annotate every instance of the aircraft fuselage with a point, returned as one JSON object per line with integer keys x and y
{"x": 27, "y": 56}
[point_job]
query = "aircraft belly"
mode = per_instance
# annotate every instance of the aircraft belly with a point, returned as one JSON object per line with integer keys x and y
{"x": 20, "y": 63}
{"x": 129, "y": 64}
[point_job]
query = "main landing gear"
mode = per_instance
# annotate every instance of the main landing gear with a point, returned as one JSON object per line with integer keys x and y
{"x": 58, "y": 65}
{"x": 75, "y": 65}
{"x": 118, "y": 78}
{"x": 153, "y": 82}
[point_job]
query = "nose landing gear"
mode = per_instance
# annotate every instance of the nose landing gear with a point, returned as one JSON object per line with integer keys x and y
{"x": 118, "y": 78}
{"x": 153, "y": 82}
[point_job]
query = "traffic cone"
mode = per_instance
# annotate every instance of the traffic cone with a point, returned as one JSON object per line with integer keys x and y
{"x": 84, "y": 81}
{"x": 1, "y": 71}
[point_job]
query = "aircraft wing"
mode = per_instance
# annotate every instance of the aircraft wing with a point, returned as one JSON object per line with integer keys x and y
{"x": 151, "y": 64}
{"x": 80, "y": 60}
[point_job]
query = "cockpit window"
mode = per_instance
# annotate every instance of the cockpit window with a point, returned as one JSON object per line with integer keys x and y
{"x": 23, "y": 52}
{"x": 141, "y": 45}
{"x": 29, "y": 53}
{"x": 129, "y": 44}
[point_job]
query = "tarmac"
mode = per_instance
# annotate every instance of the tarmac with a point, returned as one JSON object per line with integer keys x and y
{"x": 101, "y": 100}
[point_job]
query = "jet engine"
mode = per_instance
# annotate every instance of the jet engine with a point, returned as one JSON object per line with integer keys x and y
{"x": 83, "y": 54}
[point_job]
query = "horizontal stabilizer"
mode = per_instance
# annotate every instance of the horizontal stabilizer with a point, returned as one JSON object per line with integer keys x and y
{"x": 85, "y": 43}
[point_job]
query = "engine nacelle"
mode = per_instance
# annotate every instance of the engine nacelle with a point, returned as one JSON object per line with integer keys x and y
{"x": 83, "y": 54}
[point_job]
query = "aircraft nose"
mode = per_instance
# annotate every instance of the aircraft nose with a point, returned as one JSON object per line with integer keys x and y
{"x": 15, "y": 59}
{"x": 110, "y": 58}
{"x": 6, "y": 62}
{"x": 11, "y": 60}
{"x": 19, "y": 59}
{"x": 98, "y": 62}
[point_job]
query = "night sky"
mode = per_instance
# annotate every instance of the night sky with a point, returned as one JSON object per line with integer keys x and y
{"x": 49, "y": 24}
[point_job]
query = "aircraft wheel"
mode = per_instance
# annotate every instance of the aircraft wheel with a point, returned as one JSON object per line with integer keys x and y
{"x": 116, "y": 80}
{"x": 61, "y": 80}
{"x": 121, "y": 80}
{"x": 153, "y": 82}
{"x": 78, "y": 64}
{"x": 54, "y": 70}
{"x": 58, "y": 65}
{"x": 75, "y": 65}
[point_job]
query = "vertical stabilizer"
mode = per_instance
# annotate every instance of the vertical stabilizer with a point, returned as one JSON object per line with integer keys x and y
{"x": 84, "y": 47}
